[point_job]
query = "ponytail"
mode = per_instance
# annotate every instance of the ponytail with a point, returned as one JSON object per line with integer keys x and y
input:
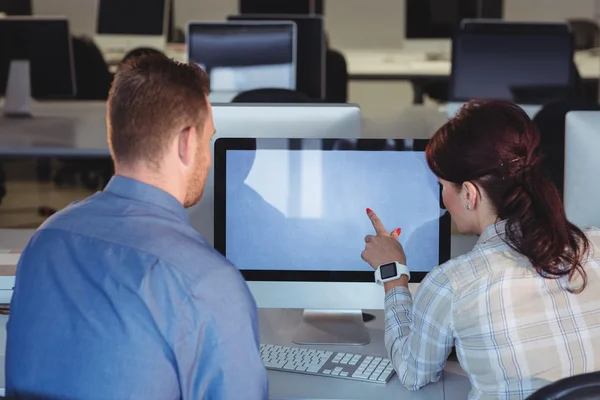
{"x": 537, "y": 226}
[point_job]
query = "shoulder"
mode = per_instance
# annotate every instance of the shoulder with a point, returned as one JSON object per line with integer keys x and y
{"x": 593, "y": 235}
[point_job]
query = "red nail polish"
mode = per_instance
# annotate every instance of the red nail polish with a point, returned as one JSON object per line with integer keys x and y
{"x": 398, "y": 231}
{"x": 369, "y": 211}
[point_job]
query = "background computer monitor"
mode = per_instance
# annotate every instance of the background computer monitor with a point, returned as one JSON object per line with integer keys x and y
{"x": 16, "y": 7}
{"x": 528, "y": 63}
{"x": 430, "y": 24}
{"x": 310, "y": 61}
{"x": 302, "y": 7}
{"x": 46, "y": 44}
{"x": 582, "y": 164}
{"x": 124, "y": 25}
{"x": 245, "y": 55}
{"x": 290, "y": 214}
{"x": 273, "y": 120}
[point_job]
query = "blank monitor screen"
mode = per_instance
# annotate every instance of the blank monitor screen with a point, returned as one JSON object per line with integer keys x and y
{"x": 310, "y": 70}
{"x": 524, "y": 63}
{"x": 305, "y": 7}
{"x": 132, "y": 17}
{"x": 15, "y": 7}
{"x": 294, "y": 209}
{"x": 242, "y": 56}
{"x": 439, "y": 19}
{"x": 46, "y": 44}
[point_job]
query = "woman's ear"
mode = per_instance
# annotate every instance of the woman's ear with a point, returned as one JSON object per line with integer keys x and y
{"x": 470, "y": 195}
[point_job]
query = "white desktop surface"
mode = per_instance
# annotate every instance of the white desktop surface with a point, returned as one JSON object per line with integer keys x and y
{"x": 399, "y": 64}
{"x": 277, "y": 326}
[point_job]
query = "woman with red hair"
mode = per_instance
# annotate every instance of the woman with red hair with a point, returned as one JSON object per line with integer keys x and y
{"x": 523, "y": 307}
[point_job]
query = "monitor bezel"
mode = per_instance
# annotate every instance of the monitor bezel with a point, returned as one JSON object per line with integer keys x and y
{"x": 222, "y": 145}
{"x": 165, "y": 23}
{"x": 516, "y": 29}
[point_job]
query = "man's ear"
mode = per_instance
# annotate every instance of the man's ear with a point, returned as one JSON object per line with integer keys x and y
{"x": 187, "y": 145}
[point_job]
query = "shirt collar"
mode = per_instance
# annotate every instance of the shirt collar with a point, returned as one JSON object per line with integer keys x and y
{"x": 135, "y": 190}
{"x": 493, "y": 232}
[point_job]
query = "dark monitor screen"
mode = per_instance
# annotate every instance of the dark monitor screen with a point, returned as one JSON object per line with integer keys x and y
{"x": 16, "y": 7}
{"x": 243, "y": 55}
{"x": 439, "y": 19}
{"x": 310, "y": 61}
{"x": 524, "y": 63}
{"x": 279, "y": 203}
{"x": 306, "y": 7}
{"x": 46, "y": 44}
{"x": 132, "y": 17}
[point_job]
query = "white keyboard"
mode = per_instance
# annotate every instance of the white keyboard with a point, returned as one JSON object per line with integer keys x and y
{"x": 327, "y": 363}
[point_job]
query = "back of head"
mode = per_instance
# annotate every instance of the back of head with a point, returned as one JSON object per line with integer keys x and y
{"x": 151, "y": 100}
{"x": 496, "y": 146}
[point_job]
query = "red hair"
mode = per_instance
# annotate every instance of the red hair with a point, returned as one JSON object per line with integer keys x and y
{"x": 496, "y": 146}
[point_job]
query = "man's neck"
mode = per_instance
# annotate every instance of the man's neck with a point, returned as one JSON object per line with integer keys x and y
{"x": 150, "y": 177}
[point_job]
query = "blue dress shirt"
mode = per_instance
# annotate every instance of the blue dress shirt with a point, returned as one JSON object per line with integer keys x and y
{"x": 118, "y": 297}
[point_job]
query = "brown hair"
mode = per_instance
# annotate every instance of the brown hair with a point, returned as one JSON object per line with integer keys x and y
{"x": 496, "y": 146}
{"x": 151, "y": 99}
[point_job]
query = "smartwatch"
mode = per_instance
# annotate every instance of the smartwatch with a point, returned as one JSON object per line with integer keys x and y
{"x": 390, "y": 272}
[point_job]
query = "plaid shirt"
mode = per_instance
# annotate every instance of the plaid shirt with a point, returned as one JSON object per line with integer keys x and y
{"x": 514, "y": 331}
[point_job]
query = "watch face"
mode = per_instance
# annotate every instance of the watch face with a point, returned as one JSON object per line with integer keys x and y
{"x": 388, "y": 270}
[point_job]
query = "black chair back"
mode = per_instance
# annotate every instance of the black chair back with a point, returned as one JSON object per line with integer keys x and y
{"x": 271, "y": 96}
{"x": 579, "y": 387}
{"x": 336, "y": 77}
{"x": 92, "y": 76}
{"x": 585, "y": 33}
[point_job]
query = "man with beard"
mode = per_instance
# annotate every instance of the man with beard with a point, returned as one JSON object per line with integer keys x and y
{"x": 117, "y": 296}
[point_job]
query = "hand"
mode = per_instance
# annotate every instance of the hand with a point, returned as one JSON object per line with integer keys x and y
{"x": 383, "y": 247}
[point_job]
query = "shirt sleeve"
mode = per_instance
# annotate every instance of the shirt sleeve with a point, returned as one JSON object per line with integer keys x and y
{"x": 219, "y": 357}
{"x": 418, "y": 337}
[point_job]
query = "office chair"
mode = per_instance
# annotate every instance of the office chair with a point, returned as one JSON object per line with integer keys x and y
{"x": 271, "y": 96}
{"x": 336, "y": 77}
{"x": 140, "y": 51}
{"x": 550, "y": 121}
{"x": 579, "y": 387}
{"x": 585, "y": 33}
{"x": 92, "y": 76}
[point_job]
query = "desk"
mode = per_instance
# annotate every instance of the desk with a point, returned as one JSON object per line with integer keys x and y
{"x": 396, "y": 64}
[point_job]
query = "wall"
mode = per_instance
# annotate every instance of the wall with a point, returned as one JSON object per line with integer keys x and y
{"x": 350, "y": 23}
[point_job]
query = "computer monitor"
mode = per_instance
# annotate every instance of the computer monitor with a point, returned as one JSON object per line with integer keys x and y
{"x": 528, "y": 63}
{"x": 582, "y": 164}
{"x": 290, "y": 214}
{"x": 16, "y": 7}
{"x": 301, "y": 7}
{"x": 27, "y": 44}
{"x": 273, "y": 120}
{"x": 310, "y": 61}
{"x": 122, "y": 26}
{"x": 244, "y": 55}
{"x": 431, "y": 24}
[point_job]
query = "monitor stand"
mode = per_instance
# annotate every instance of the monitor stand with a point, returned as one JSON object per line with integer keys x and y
{"x": 323, "y": 327}
{"x": 17, "y": 102}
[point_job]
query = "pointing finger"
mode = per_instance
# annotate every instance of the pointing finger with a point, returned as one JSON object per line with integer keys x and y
{"x": 377, "y": 224}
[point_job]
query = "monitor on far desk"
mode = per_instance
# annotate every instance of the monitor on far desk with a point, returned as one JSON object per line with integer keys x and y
{"x": 244, "y": 55}
{"x": 528, "y": 63}
{"x": 26, "y": 46}
{"x": 301, "y": 7}
{"x": 311, "y": 48}
{"x": 15, "y": 7}
{"x": 430, "y": 25}
{"x": 290, "y": 214}
{"x": 124, "y": 25}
